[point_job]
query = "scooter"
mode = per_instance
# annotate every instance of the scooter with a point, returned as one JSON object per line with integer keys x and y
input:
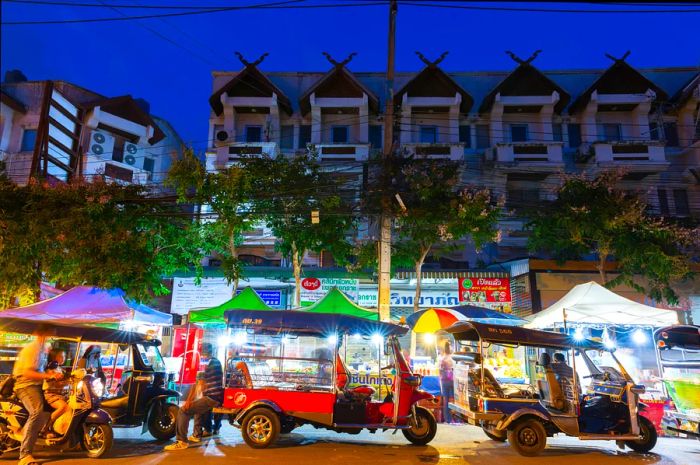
{"x": 84, "y": 424}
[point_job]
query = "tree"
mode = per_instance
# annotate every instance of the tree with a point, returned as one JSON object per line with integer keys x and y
{"x": 226, "y": 194}
{"x": 594, "y": 216}
{"x": 287, "y": 190}
{"x": 96, "y": 233}
{"x": 438, "y": 211}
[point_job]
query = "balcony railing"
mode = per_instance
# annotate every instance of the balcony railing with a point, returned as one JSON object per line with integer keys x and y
{"x": 628, "y": 152}
{"x": 343, "y": 152}
{"x": 118, "y": 171}
{"x": 237, "y": 149}
{"x": 536, "y": 153}
{"x": 446, "y": 150}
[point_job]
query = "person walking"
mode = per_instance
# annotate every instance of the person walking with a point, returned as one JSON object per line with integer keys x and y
{"x": 204, "y": 395}
{"x": 447, "y": 388}
{"x": 29, "y": 378}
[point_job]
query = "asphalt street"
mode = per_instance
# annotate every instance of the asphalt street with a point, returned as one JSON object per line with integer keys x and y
{"x": 454, "y": 444}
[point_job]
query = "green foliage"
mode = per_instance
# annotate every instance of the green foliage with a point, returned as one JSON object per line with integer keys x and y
{"x": 96, "y": 233}
{"x": 594, "y": 216}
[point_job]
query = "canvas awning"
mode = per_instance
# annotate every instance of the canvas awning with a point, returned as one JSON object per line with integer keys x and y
{"x": 338, "y": 303}
{"x": 248, "y": 299}
{"x": 90, "y": 305}
{"x": 591, "y": 303}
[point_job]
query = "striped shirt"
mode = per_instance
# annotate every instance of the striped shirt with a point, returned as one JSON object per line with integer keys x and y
{"x": 214, "y": 380}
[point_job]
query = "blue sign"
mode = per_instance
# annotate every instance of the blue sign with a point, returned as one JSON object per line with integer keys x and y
{"x": 271, "y": 298}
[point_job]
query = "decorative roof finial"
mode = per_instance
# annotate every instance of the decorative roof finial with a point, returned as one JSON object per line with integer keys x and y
{"x": 431, "y": 63}
{"x": 619, "y": 60}
{"x": 520, "y": 61}
{"x": 247, "y": 63}
{"x": 337, "y": 63}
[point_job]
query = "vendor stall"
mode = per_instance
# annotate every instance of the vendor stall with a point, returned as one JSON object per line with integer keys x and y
{"x": 337, "y": 302}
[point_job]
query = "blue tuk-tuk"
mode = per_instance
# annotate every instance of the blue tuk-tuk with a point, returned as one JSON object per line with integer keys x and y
{"x": 549, "y": 398}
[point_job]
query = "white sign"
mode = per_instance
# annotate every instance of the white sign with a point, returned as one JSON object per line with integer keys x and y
{"x": 405, "y": 297}
{"x": 313, "y": 289}
{"x": 210, "y": 293}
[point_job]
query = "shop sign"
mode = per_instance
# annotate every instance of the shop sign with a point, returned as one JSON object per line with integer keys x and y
{"x": 491, "y": 293}
{"x": 313, "y": 289}
{"x": 187, "y": 295}
{"x": 405, "y": 298}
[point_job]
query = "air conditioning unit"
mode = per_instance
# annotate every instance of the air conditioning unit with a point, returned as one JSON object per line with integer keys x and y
{"x": 133, "y": 154}
{"x": 221, "y": 137}
{"x": 101, "y": 144}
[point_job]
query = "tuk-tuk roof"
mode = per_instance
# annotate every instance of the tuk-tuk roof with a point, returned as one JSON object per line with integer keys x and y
{"x": 294, "y": 321}
{"x": 681, "y": 336}
{"x": 502, "y": 334}
{"x": 89, "y": 333}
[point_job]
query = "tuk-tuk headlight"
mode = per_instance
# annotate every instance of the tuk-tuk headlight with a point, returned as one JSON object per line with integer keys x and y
{"x": 97, "y": 387}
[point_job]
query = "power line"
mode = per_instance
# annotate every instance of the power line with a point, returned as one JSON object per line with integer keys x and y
{"x": 544, "y": 10}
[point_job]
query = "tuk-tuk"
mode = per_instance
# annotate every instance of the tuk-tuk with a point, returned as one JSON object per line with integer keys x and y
{"x": 678, "y": 354}
{"x": 551, "y": 398}
{"x": 131, "y": 387}
{"x": 287, "y": 369}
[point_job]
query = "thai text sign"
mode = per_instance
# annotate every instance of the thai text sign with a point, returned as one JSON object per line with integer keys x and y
{"x": 491, "y": 293}
{"x": 405, "y": 298}
{"x": 313, "y": 289}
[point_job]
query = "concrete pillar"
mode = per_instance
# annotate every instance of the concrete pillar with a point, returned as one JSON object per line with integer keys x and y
{"x": 275, "y": 121}
{"x": 316, "y": 126}
{"x": 454, "y": 119}
{"x": 364, "y": 120}
{"x": 497, "y": 133}
{"x": 406, "y": 135}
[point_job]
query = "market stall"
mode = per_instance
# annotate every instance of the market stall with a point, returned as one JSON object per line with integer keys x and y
{"x": 335, "y": 301}
{"x": 591, "y": 311}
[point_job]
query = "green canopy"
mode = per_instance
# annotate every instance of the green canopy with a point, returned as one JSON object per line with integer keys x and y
{"x": 248, "y": 299}
{"x": 337, "y": 302}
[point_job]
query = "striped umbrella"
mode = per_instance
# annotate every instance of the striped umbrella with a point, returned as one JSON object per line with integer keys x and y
{"x": 434, "y": 319}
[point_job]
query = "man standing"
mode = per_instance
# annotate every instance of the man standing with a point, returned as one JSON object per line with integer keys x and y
{"x": 214, "y": 378}
{"x": 205, "y": 394}
{"x": 29, "y": 378}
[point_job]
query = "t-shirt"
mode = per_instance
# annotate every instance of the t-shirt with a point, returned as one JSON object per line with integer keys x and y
{"x": 32, "y": 357}
{"x": 446, "y": 368}
{"x": 214, "y": 379}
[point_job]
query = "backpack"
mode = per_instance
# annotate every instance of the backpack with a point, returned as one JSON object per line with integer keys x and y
{"x": 7, "y": 386}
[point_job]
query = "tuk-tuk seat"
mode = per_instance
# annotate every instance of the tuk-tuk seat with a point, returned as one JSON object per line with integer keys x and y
{"x": 342, "y": 379}
{"x": 551, "y": 393}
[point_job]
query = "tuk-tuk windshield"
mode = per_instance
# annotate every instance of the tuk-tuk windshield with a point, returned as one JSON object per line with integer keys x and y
{"x": 596, "y": 364}
{"x": 151, "y": 357}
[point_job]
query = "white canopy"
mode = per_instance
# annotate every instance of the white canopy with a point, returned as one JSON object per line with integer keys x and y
{"x": 592, "y": 303}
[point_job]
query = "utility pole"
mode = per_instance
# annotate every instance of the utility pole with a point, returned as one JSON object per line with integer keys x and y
{"x": 388, "y": 153}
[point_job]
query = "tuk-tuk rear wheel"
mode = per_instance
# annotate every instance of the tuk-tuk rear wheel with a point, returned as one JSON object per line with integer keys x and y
{"x": 647, "y": 431}
{"x": 528, "y": 437}
{"x": 260, "y": 427}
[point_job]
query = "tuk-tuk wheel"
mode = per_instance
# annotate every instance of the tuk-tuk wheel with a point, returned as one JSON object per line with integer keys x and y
{"x": 528, "y": 437}
{"x": 162, "y": 427}
{"x": 424, "y": 429}
{"x": 647, "y": 431}
{"x": 260, "y": 427}
{"x": 495, "y": 434}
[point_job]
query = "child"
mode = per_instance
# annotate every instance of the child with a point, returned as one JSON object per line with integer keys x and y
{"x": 55, "y": 389}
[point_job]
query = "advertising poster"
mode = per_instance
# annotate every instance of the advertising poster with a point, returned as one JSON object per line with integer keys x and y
{"x": 313, "y": 289}
{"x": 493, "y": 293}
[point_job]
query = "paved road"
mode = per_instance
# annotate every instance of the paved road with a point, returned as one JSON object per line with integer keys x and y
{"x": 452, "y": 445}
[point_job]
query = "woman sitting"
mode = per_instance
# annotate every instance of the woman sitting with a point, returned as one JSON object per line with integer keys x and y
{"x": 55, "y": 389}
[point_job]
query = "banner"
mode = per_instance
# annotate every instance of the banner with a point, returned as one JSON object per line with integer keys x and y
{"x": 493, "y": 293}
{"x": 212, "y": 292}
{"x": 313, "y": 289}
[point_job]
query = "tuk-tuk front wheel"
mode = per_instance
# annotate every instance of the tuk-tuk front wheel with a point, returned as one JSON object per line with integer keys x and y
{"x": 260, "y": 428}
{"x": 163, "y": 421}
{"x": 97, "y": 439}
{"x": 648, "y": 436}
{"x": 423, "y": 429}
{"x": 528, "y": 437}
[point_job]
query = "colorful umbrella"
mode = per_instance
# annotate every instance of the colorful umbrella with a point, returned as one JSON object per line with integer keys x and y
{"x": 434, "y": 319}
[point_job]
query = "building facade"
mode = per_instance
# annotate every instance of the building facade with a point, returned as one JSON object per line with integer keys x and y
{"x": 61, "y": 131}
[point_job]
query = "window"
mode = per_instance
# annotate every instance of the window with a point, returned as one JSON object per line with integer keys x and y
{"x": 287, "y": 137}
{"x": 28, "y": 140}
{"x": 118, "y": 150}
{"x": 148, "y": 164}
{"x": 518, "y": 132}
{"x": 304, "y": 135}
{"x": 671, "y": 134}
{"x": 465, "y": 135}
{"x": 482, "y": 136}
{"x": 253, "y": 133}
{"x": 375, "y": 136}
{"x": 680, "y": 198}
{"x": 654, "y": 131}
{"x": 574, "y": 135}
{"x": 612, "y": 132}
{"x": 339, "y": 134}
{"x": 557, "y": 132}
{"x": 428, "y": 134}
{"x": 663, "y": 202}
{"x": 523, "y": 198}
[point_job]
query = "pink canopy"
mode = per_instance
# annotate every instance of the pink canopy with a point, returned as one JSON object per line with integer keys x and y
{"x": 86, "y": 304}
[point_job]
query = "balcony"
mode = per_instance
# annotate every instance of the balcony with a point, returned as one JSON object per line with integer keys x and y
{"x": 235, "y": 150}
{"x": 514, "y": 234}
{"x": 632, "y": 155}
{"x": 442, "y": 150}
{"x": 539, "y": 155}
{"x": 117, "y": 171}
{"x": 343, "y": 152}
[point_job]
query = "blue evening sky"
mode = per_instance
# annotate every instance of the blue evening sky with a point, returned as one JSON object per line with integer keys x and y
{"x": 126, "y": 57}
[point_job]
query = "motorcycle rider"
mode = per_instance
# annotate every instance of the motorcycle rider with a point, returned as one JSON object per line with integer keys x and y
{"x": 29, "y": 377}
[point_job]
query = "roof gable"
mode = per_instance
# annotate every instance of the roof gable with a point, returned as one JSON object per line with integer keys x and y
{"x": 250, "y": 82}
{"x": 685, "y": 92}
{"x": 526, "y": 80}
{"x": 339, "y": 83}
{"x": 434, "y": 82}
{"x": 620, "y": 78}
{"x": 126, "y": 107}
{"x": 12, "y": 102}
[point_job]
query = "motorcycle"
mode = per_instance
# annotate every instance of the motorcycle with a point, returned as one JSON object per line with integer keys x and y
{"x": 84, "y": 425}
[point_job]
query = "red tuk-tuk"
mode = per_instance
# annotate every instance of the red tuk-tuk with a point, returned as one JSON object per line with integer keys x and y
{"x": 303, "y": 376}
